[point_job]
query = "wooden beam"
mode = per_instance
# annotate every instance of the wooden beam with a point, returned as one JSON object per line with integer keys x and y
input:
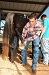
{"x": 20, "y": 10}
{"x": 43, "y": 11}
{"x": 27, "y": 2}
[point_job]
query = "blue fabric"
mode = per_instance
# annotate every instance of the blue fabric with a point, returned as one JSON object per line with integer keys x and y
{"x": 35, "y": 53}
{"x": 45, "y": 50}
{"x": 46, "y": 24}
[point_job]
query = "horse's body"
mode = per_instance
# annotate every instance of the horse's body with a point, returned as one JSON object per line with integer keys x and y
{"x": 10, "y": 35}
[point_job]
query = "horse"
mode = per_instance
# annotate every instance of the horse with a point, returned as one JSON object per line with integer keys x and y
{"x": 12, "y": 31}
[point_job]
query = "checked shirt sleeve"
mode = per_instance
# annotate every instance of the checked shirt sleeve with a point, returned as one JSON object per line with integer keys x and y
{"x": 24, "y": 32}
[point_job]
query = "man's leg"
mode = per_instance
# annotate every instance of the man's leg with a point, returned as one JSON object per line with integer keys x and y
{"x": 35, "y": 52}
{"x": 45, "y": 48}
{"x": 23, "y": 53}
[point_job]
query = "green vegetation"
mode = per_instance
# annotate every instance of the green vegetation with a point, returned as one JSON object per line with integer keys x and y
{"x": 30, "y": 46}
{"x": 0, "y": 41}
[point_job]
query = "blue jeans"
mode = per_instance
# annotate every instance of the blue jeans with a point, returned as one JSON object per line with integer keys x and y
{"x": 35, "y": 53}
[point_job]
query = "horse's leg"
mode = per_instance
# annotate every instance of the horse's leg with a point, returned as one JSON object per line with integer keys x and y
{"x": 15, "y": 45}
{"x": 13, "y": 50}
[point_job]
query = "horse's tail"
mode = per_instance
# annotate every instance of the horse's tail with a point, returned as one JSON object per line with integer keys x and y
{"x": 7, "y": 34}
{"x": 5, "y": 43}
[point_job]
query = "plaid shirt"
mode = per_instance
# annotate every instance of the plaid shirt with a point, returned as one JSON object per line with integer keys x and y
{"x": 35, "y": 32}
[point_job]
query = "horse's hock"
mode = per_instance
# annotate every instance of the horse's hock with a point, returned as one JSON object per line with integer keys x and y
{"x": 13, "y": 21}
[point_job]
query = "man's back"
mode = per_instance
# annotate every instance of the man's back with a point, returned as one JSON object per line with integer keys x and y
{"x": 46, "y": 24}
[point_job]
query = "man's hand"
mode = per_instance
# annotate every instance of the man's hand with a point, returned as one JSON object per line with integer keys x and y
{"x": 25, "y": 41}
{"x": 40, "y": 37}
{"x": 43, "y": 30}
{"x": 23, "y": 44}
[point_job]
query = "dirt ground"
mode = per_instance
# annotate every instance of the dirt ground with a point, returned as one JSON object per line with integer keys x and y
{"x": 16, "y": 68}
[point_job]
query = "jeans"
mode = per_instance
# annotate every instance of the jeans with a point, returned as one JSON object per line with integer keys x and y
{"x": 45, "y": 50}
{"x": 35, "y": 53}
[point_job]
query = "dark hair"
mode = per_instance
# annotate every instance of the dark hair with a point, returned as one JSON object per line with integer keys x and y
{"x": 32, "y": 15}
{"x": 44, "y": 15}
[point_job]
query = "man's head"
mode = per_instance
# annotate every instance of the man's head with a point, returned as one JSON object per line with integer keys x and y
{"x": 43, "y": 17}
{"x": 32, "y": 19}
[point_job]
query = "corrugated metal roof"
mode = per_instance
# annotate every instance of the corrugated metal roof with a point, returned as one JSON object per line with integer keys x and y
{"x": 24, "y": 6}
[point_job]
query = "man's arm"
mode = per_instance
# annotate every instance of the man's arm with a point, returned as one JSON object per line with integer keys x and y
{"x": 25, "y": 31}
{"x": 43, "y": 30}
{"x": 44, "y": 27}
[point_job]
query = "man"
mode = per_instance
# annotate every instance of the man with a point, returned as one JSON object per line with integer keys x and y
{"x": 45, "y": 39}
{"x": 31, "y": 32}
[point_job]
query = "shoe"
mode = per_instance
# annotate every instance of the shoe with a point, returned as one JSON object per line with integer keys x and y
{"x": 40, "y": 60}
{"x": 34, "y": 71}
{"x": 23, "y": 64}
{"x": 45, "y": 63}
